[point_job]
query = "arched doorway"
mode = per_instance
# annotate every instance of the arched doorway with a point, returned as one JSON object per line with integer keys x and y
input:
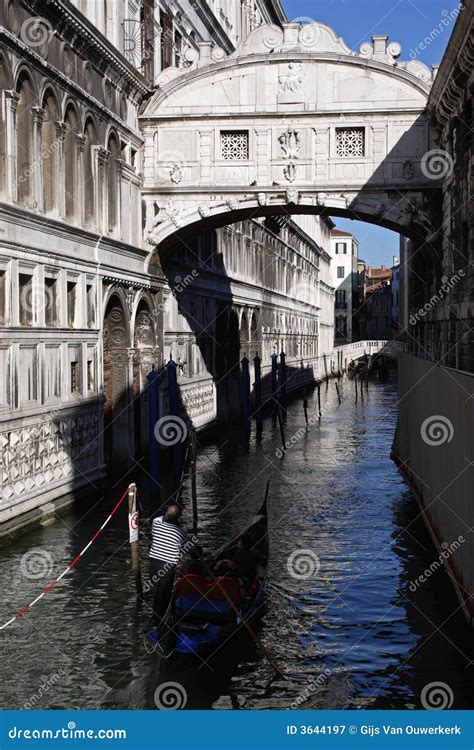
{"x": 143, "y": 360}
{"x": 116, "y": 342}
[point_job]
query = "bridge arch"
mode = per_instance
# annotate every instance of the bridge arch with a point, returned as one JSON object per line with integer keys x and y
{"x": 293, "y": 122}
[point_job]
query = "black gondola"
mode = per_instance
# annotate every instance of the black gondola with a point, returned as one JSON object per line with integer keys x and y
{"x": 207, "y": 609}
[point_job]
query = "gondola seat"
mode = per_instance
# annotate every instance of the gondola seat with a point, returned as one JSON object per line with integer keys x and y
{"x": 198, "y": 599}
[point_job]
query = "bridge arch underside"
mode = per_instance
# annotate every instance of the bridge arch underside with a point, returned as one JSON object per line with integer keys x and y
{"x": 424, "y": 237}
{"x": 293, "y": 122}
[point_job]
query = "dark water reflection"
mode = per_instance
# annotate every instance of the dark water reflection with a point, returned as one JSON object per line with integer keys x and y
{"x": 350, "y": 635}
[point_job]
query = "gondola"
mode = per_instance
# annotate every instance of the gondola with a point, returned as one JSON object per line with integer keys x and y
{"x": 207, "y": 610}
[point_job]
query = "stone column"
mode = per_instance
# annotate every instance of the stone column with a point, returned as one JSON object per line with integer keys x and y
{"x": 37, "y": 165}
{"x": 11, "y": 103}
{"x": 81, "y": 142}
{"x": 101, "y": 157}
{"x": 61, "y": 175}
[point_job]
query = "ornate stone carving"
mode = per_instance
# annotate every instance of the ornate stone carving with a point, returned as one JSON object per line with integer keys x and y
{"x": 176, "y": 174}
{"x": 289, "y": 172}
{"x": 292, "y": 196}
{"x": 290, "y": 143}
{"x": 204, "y": 211}
{"x": 290, "y": 84}
{"x": 233, "y": 204}
{"x": 262, "y": 199}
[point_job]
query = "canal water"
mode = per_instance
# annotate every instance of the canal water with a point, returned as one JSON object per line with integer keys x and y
{"x": 344, "y": 617}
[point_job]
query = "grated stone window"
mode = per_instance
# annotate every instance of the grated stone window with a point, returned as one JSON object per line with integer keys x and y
{"x": 234, "y": 145}
{"x": 350, "y": 141}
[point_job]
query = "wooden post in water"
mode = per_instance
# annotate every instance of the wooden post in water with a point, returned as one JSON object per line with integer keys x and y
{"x": 153, "y": 417}
{"x": 258, "y": 395}
{"x": 173, "y": 398}
{"x": 338, "y": 393}
{"x": 319, "y": 400}
{"x": 355, "y": 384}
{"x": 193, "y": 479}
{"x": 325, "y": 366}
{"x": 246, "y": 395}
{"x": 133, "y": 533}
{"x": 282, "y": 382}
{"x": 275, "y": 405}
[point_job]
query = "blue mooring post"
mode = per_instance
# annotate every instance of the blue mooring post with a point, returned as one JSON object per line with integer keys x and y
{"x": 153, "y": 417}
{"x": 275, "y": 404}
{"x": 282, "y": 385}
{"x": 258, "y": 395}
{"x": 174, "y": 412}
{"x": 246, "y": 394}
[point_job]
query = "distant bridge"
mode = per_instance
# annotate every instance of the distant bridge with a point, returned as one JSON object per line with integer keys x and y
{"x": 358, "y": 349}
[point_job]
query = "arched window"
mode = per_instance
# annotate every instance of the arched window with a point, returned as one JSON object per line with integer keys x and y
{"x": 89, "y": 175}
{"x": 24, "y": 142}
{"x": 112, "y": 183}
{"x": 4, "y": 85}
{"x": 70, "y": 163}
{"x": 50, "y": 154}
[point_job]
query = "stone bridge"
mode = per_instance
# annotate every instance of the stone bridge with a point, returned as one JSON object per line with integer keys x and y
{"x": 293, "y": 122}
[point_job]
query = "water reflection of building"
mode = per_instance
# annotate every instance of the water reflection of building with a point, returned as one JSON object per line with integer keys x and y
{"x": 82, "y": 321}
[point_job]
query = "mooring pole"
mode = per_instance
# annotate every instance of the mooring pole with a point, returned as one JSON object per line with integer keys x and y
{"x": 258, "y": 395}
{"x": 246, "y": 395}
{"x": 338, "y": 393}
{"x": 282, "y": 384}
{"x": 325, "y": 366}
{"x": 153, "y": 417}
{"x": 133, "y": 533}
{"x": 177, "y": 447}
{"x": 319, "y": 400}
{"x": 275, "y": 403}
{"x": 355, "y": 383}
{"x": 193, "y": 479}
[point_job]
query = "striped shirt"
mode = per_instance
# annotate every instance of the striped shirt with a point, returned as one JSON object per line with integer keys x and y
{"x": 168, "y": 541}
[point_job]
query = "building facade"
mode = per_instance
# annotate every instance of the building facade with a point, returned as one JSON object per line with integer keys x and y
{"x": 344, "y": 252}
{"x": 83, "y": 321}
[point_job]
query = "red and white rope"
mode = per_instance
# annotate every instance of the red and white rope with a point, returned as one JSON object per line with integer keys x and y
{"x": 69, "y": 567}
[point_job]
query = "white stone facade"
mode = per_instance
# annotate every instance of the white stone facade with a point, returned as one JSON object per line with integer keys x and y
{"x": 345, "y": 255}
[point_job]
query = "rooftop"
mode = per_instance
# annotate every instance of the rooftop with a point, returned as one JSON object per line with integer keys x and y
{"x": 340, "y": 233}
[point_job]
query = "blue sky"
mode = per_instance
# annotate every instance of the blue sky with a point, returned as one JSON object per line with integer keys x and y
{"x": 406, "y": 21}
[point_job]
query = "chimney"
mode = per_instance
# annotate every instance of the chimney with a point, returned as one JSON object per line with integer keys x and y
{"x": 395, "y": 260}
{"x": 382, "y": 267}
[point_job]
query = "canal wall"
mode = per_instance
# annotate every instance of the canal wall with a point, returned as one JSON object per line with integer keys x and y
{"x": 434, "y": 449}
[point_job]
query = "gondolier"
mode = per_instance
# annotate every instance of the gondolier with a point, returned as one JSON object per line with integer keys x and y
{"x": 169, "y": 541}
